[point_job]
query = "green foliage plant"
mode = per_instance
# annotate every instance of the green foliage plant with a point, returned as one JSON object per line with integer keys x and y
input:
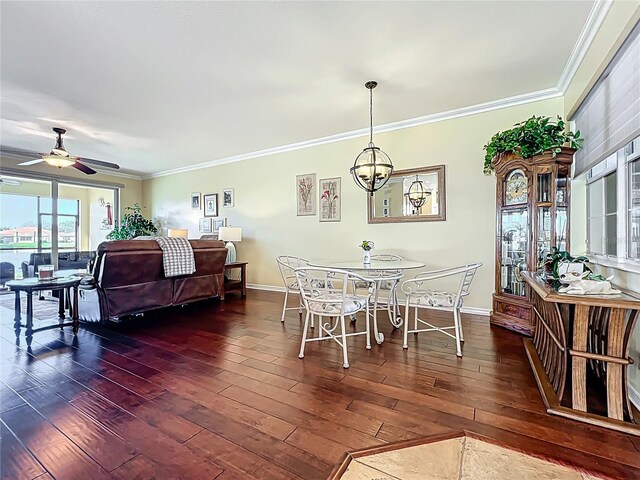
{"x": 133, "y": 225}
{"x": 531, "y": 137}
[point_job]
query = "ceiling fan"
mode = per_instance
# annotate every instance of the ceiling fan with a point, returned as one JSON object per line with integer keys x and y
{"x": 58, "y": 157}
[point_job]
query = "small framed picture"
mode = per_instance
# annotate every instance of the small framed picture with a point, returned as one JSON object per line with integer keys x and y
{"x": 219, "y": 222}
{"x": 195, "y": 201}
{"x": 204, "y": 225}
{"x": 210, "y": 205}
{"x": 227, "y": 197}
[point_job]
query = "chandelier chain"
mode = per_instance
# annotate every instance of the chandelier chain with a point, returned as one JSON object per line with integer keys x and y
{"x": 371, "y": 116}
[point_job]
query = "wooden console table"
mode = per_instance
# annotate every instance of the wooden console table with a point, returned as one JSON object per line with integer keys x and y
{"x": 240, "y": 285}
{"x": 583, "y": 340}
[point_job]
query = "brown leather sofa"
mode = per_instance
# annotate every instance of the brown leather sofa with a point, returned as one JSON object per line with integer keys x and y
{"x": 129, "y": 276}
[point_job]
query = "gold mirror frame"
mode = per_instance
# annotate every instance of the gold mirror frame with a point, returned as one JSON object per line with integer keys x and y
{"x": 442, "y": 211}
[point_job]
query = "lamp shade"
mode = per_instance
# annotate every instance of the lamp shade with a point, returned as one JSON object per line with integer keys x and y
{"x": 230, "y": 234}
{"x": 178, "y": 232}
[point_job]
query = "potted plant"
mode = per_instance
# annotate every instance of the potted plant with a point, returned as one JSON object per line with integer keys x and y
{"x": 560, "y": 261}
{"x": 366, "y": 246}
{"x": 534, "y": 136}
{"x": 133, "y": 225}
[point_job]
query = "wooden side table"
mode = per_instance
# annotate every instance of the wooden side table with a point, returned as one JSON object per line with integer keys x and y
{"x": 240, "y": 285}
{"x": 30, "y": 285}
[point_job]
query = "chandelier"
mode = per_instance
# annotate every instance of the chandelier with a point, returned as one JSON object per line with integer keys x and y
{"x": 372, "y": 168}
{"x": 417, "y": 194}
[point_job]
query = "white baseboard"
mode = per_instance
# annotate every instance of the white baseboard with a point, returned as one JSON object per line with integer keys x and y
{"x": 634, "y": 396}
{"x": 271, "y": 288}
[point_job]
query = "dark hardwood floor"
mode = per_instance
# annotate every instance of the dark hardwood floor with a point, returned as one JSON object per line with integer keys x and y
{"x": 216, "y": 390}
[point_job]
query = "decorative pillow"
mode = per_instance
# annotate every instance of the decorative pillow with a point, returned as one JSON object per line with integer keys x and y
{"x": 431, "y": 298}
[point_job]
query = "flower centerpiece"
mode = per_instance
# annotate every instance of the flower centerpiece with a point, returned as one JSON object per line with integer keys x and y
{"x": 366, "y": 246}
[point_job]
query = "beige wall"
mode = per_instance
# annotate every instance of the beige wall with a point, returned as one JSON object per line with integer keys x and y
{"x": 265, "y": 200}
{"x": 619, "y": 21}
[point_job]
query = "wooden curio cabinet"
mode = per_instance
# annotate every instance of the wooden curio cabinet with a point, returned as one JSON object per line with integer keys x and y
{"x": 532, "y": 210}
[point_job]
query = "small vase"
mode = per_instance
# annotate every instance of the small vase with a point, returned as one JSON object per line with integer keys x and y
{"x": 366, "y": 257}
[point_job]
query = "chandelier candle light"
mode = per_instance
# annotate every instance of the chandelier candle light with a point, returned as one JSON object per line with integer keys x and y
{"x": 372, "y": 168}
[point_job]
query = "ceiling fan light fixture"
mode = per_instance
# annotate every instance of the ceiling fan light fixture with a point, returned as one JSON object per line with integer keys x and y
{"x": 59, "y": 161}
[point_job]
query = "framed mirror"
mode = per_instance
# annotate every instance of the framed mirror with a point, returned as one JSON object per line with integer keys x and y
{"x": 414, "y": 195}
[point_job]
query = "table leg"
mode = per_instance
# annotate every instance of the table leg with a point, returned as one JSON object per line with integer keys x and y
{"x": 615, "y": 348}
{"x": 243, "y": 279}
{"x": 379, "y": 336}
{"x": 61, "y": 314}
{"x": 579, "y": 364}
{"x": 17, "y": 318}
{"x": 75, "y": 321}
{"x": 29, "y": 333}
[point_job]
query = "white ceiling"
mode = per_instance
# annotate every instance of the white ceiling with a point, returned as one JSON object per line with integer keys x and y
{"x": 159, "y": 85}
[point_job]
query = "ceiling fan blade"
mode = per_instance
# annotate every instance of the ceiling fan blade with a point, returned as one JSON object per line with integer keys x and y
{"x": 99, "y": 163}
{"x": 31, "y": 162}
{"x": 84, "y": 168}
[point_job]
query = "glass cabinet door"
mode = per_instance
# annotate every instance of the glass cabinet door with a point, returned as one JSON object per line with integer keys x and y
{"x": 543, "y": 240}
{"x": 513, "y": 250}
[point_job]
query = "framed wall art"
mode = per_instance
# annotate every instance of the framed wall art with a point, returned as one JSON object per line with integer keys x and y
{"x": 306, "y": 194}
{"x": 219, "y": 222}
{"x": 330, "y": 199}
{"x": 195, "y": 201}
{"x": 227, "y": 197}
{"x": 204, "y": 225}
{"x": 210, "y": 205}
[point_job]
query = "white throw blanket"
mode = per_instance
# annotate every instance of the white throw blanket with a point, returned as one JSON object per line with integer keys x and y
{"x": 177, "y": 256}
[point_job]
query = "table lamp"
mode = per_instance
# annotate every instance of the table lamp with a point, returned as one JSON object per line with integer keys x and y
{"x": 178, "y": 232}
{"x": 229, "y": 235}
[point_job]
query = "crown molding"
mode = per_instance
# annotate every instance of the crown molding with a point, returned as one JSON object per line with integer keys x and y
{"x": 587, "y": 34}
{"x": 116, "y": 173}
{"x": 589, "y": 30}
{"x": 389, "y": 127}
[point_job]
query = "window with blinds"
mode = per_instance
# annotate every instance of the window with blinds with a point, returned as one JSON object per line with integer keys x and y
{"x": 609, "y": 117}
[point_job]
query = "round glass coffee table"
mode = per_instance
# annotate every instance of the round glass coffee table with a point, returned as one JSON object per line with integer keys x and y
{"x": 62, "y": 285}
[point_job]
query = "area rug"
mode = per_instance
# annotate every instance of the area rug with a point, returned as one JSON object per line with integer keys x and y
{"x": 42, "y": 309}
{"x": 459, "y": 457}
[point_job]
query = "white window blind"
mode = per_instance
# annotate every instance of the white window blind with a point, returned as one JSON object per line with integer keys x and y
{"x": 609, "y": 117}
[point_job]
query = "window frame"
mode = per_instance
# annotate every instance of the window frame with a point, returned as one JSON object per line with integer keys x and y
{"x": 618, "y": 162}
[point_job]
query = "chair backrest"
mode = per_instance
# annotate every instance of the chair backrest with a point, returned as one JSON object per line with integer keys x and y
{"x": 326, "y": 286}
{"x": 287, "y": 265}
{"x": 468, "y": 272}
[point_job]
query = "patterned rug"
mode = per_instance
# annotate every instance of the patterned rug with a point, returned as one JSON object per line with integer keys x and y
{"x": 42, "y": 309}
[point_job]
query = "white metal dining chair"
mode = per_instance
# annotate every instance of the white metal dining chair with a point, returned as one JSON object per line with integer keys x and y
{"x": 325, "y": 293}
{"x": 419, "y": 295}
{"x": 287, "y": 265}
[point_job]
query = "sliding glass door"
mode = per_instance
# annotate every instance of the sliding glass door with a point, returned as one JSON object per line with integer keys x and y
{"x": 48, "y": 217}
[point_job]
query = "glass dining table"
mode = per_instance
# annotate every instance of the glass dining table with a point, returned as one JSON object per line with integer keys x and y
{"x": 378, "y": 272}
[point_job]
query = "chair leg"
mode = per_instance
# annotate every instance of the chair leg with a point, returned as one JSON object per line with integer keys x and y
{"x": 313, "y": 321}
{"x": 284, "y": 307}
{"x": 460, "y": 325}
{"x": 405, "y": 344}
{"x": 345, "y": 356}
{"x": 304, "y": 336}
{"x": 456, "y": 321}
{"x": 367, "y": 325}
